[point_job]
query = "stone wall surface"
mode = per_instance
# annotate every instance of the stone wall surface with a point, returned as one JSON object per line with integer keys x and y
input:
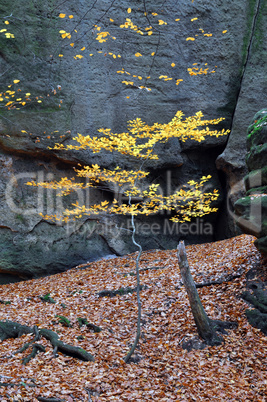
{"x": 252, "y": 208}
{"x": 251, "y": 98}
{"x": 81, "y": 95}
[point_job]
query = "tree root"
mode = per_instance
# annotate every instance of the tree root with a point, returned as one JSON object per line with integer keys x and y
{"x": 47, "y": 298}
{"x": 216, "y": 340}
{"x": 83, "y": 321}
{"x": 133, "y": 273}
{"x": 42, "y": 399}
{"x": 65, "y": 348}
{"x": 22, "y": 384}
{"x": 121, "y": 291}
{"x": 16, "y": 384}
{"x": 11, "y": 329}
{"x": 221, "y": 326}
{"x": 5, "y": 302}
{"x": 35, "y": 349}
{"x": 219, "y": 281}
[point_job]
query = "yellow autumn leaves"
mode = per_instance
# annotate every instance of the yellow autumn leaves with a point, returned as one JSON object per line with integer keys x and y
{"x": 94, "y": 175}
{"x": 141, "y": 138}
{"x": 8, "y": 35}
{"x": 190, "y": 201}
{"x": 61, "y": 15}
{"x": 14, "y": 97}
{"x": 193, "y": 38}
{"x": 199, "y": 70}
{"x": 139, "y": 142}
{"x": 102, "y": 36}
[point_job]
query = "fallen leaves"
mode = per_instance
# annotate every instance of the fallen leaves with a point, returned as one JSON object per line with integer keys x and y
{"x": 235, "y": 371}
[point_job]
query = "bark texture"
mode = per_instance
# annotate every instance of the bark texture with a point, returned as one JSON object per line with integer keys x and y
{"x": 205, "y": 326}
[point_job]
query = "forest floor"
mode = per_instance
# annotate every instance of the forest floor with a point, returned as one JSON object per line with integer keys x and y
{"x": 162, "y": 370}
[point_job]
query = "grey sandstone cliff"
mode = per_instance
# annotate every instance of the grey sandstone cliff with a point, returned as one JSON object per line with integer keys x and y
{"x": 87, "y": 93}
{"x": 251, "y": 97}
{"x": 251, "y": 210}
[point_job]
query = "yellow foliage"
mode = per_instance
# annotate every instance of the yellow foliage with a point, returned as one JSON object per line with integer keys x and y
{"x": 102, "y": 37}
{"x": 141, "y": 138}
{"x": 139, "y": 142}
{"x": 16, "y": 98}
{"x": 129, "y": 24}
{"x": 186, "y": 203}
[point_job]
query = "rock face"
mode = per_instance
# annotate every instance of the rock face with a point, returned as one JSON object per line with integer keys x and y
{"x": 252, "y": 209}
{"x": 250, "y": 98}
{"x": 75, "y": 85}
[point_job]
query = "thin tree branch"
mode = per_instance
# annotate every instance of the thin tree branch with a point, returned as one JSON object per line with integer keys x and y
{"x": 139, "y": 305}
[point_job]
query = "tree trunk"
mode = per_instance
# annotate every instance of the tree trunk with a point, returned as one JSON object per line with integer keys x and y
{"x": 139, "y": 306}
{"x": 204, "y": 325}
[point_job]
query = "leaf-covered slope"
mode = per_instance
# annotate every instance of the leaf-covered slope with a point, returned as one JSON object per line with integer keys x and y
{"x": 234, "y": 371}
